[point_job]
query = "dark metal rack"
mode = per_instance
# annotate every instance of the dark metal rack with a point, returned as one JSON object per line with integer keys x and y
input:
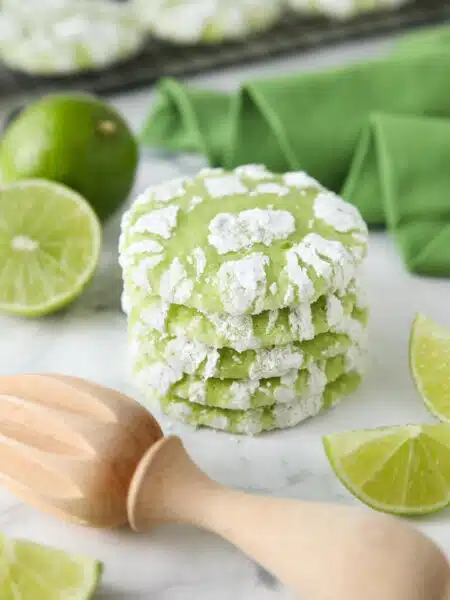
{"x": 292, "y": 34}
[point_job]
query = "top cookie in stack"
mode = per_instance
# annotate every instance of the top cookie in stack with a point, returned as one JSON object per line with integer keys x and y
{"x": 242, "y": 295}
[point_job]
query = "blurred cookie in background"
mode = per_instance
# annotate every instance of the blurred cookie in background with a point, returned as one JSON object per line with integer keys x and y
{"x": 343, "y": 9}
{"x": 67, "y": 36}
{"x": 207, "y": 21}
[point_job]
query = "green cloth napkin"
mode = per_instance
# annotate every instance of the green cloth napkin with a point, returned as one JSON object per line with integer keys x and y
{"x": 376, "y": 132}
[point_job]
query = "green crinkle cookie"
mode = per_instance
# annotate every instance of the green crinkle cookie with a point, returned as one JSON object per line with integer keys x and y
{"x": 244, "y": 394}
{"x": 244, "y": 332}
{"x": 208, "y": 21}
{"x": 343, "y": 9}
{"x": 184, "y": 356}
{"x": 241, "y": 242}
{"x": 191, "y": 358}
{"x": 258, "y": 420}
{"x": 68, "y": 37}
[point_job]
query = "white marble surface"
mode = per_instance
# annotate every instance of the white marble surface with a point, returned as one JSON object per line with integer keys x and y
{"x": 89, "y": 340}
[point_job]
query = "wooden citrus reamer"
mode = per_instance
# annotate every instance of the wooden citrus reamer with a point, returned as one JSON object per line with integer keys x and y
{"x": 83, "y": 452}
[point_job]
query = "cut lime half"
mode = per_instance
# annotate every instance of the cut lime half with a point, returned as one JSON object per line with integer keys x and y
{"x": 398, "y": 470}
{"x": 29, "y": 571}
{"x": 50, "y": 242}
{"x": 429, "y": 354}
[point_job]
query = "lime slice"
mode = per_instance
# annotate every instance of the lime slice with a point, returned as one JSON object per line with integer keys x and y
{"x": 29, "y": 571}
{"x": 429, "y": 353}
{"x": 399, "y": 470}
{"x": 50, "y": 240}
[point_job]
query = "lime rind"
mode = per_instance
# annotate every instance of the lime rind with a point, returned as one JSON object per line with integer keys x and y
{"x": 33, "y": 194}
{"x": 417, "y": 443}
{"x": 29, "y": 569}
{"x": 432, "y": 382}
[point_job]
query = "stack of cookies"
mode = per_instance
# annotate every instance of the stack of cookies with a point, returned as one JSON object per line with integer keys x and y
{"x": 243, "y": 296}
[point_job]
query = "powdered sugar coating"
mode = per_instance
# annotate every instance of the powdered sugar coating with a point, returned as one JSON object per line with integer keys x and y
{"x": 155, "y": 315}
{"x": 225, "y": 185}
{"x": 257, "y": 172}
{"x": 175, "y": 286}
{"x": 257, "y": 420}
{"x": 301, "y": 322}
{"x": 244, "y": 332}
{"x": 232, "y": 232}
{"x": 271, "y": 188}
{"x": 199, "y": 260}
{"x": 224, "y": 363}
{"x": 310, "y": 379}
{"x": 342, "y": 216}
{"x": 301, "y": 180}
{"x": 160, "y": 222}
{"x": 220, "y": 212}
{"x": 246, "y": 394}
{"x": 242, "y": 283}
{"x": 298, "y": 277}
{"x": 141, "y": 270}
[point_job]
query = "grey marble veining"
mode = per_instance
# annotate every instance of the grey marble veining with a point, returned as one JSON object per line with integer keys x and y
{"x": 89, "y": 340}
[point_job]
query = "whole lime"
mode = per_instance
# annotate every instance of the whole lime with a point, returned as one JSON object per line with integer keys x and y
{"x": 76, "y": 140}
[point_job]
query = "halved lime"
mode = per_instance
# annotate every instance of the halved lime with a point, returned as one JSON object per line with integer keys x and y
{"x": 398, "y": 470}
{"x": 29, "y": 571}
{"x": 429, "y": 354}
{"x": 50, "y": 241}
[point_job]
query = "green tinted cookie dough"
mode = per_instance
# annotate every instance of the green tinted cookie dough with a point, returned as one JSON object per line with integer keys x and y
{"x": 241, "y": 242}
{"x": 207, "y": 21}
{"x": 243, "y": 332}
{"x": 196, "y": 358}
{"x": 258, "y": 420}
{"x": 244, "y": 394}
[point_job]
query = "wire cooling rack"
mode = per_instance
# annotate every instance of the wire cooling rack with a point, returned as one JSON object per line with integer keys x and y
{"x": 292, "y": 34}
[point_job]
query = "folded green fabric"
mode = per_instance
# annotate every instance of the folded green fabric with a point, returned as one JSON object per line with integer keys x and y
{"x": 405, "y": 161}
{"x": 377, "y": 132}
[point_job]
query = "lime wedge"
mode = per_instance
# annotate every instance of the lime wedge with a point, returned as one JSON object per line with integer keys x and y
{"x": 429, "y": 354}
{"x": 50, "y": 241}
{"x": 29, "y": 571}
{"x": 398, "y": 470}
